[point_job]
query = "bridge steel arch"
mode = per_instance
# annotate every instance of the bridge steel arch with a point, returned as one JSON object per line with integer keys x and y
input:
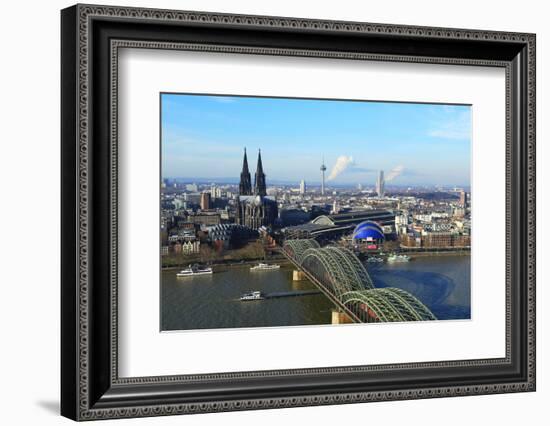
{"x": 345, "y": 280}
{"x": 327, "y": 271}
{"x": 337, "y": 269}
{"x": 408, "y": 301}
{"x": 296, "y": 248}
{"x": 386, "y": 305}
{"x": 338, "y": 261}
{"x": 353, "y": 265}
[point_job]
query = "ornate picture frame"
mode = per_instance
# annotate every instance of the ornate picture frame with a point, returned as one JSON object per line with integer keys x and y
{"x": 91, "y": 37}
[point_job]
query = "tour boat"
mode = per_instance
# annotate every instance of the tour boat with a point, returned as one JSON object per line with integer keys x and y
{"x": 194, "y": 270}
{"x": 398, "y": 258}
{"x": 264, "y": 267}
{"x": 375, "y": 260}
{"x": 253, "y": 295}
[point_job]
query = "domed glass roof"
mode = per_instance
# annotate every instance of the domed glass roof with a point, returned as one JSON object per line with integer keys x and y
{"x": 368, "y": 229}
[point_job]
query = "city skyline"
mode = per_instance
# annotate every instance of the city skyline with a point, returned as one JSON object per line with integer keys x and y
{"x": 203, "y": 138}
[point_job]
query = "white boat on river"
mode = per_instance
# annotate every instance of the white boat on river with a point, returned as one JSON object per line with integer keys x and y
{"x": 264, "y": 267}
{"x": 194, "y": 270}
{"x": 394, "y": 258}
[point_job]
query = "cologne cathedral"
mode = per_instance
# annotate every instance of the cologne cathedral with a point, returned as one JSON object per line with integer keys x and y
{"x": 255, "y": 209}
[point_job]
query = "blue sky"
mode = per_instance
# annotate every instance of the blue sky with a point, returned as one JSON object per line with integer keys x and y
{"x": 423, "y": 144}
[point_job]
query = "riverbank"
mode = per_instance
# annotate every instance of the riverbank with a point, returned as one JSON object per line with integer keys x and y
{"x": 413, "y": 254}
{"x": 221, "y": 266}
{"x": 418, "y": 253}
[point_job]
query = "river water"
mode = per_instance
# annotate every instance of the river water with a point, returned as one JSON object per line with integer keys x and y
{"x": 212, "y": 301}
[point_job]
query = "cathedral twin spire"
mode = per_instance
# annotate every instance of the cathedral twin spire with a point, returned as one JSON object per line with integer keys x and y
{"x": 259, "y": 179}
{"x": 245, "y": 184}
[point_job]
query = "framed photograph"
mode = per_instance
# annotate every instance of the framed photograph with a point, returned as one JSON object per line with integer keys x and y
{"x": 263, "y": 212}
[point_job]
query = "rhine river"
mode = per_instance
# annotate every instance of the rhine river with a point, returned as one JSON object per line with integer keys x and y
{"x": 212, "y": 301}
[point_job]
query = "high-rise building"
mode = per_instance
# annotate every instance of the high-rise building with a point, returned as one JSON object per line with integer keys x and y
{"x": 302, "y": 187}
{"x": 380, "y": 184}
{"x": 205, "y": 201}
{"x": 462, "y": 200}
{"x": 213, "y": 191}
{"x": 323, "y": 170}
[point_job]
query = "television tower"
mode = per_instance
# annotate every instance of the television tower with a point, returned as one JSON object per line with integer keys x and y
{"x": 323, "y": 169}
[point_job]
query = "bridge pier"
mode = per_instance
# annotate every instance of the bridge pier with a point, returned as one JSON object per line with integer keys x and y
{"x": 298, "y": 275}
{"x": 340, "y": 318}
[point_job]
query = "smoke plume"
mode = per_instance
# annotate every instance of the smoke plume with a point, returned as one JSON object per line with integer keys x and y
{"x": 396, "y": 171}
{"x": 342, "y": 163}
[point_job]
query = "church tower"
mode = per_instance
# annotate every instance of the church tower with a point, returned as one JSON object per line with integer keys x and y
{"x": 259, "y": 179}
{"x": 254, "y": 208}
{"x": 245, "y": 185}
